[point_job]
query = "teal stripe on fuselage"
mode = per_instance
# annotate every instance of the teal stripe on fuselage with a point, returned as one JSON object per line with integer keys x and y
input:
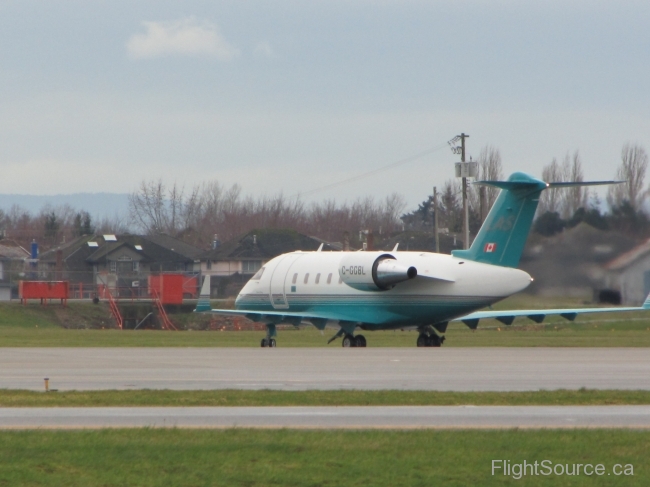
{"x": 380, "y": 311}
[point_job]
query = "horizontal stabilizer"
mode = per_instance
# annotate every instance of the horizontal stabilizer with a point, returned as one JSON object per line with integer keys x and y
{"x": 523, "y": 184}
{"x": 572, "y": 184}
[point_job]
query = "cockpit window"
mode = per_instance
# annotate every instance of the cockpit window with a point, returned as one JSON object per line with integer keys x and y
{"x": 258, "y": 274}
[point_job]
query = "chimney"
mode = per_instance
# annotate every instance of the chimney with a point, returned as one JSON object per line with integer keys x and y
{"x": 370, "y": 238}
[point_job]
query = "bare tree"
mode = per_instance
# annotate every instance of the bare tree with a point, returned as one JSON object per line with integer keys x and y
{"x": 550, "y": 200}
{"x": 633, "y": 168}
{"x": 564, "y": 201}
{"x": 490, "y": 169}
{"x": 576, "y": 197}
{"x": 115, "y": 225}
{"x": 156, "y": 208}
{"x": 210, "y": 209}
{"x": 451, "y": 208}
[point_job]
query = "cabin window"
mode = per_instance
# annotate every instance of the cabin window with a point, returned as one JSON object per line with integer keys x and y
{"x": 295, "y": 278}
{"x": 306, "y": 278}
{"x": 258, "y": 274}
{"x": 317, "y": 278}
{"x": 329, "y": 278}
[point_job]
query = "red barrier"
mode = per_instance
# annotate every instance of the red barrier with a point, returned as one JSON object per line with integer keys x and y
{"x": 169, "y": 288}
{"x": 43, "y": 290}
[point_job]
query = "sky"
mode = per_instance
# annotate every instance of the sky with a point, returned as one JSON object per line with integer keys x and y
{"x": 293, "y": 96}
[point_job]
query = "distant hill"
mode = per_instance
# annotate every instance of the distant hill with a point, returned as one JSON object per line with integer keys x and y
{"x": 99, "y": 205}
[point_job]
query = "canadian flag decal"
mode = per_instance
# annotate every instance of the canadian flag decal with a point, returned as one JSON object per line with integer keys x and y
{"x": 490, "y": 247}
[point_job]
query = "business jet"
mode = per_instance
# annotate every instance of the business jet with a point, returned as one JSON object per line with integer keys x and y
{"x": 386, "y": 290}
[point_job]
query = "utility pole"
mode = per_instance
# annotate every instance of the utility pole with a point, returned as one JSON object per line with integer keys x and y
{"x": 435, "y": 219}
{"x": 465, "y": 205}
{"x": 464, "y": 170}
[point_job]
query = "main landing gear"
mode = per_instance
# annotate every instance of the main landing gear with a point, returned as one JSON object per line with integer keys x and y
{"x": 268, "y": 342}
{"x": 430, "y": 340}
{"x": 349, "y": 340}
{"x": 353, "y": 341}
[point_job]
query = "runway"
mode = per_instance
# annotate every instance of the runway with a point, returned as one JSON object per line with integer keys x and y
{"x": 444, "y": 369}
{"x": 347, "y": 417}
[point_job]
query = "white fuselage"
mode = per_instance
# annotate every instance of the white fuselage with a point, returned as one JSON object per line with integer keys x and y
{"x": 339, "y": 286}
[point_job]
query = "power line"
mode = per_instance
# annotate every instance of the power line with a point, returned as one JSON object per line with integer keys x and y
{"x": 374, "y": 171}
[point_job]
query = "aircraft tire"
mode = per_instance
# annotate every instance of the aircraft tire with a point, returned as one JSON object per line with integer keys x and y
{"x": 435, "y": 341}
{"x": 348, "y": 341}
{"x": 422, "y": 340}
{"x": 360, "y": 341}
{"x": 265, "y": 343}
{"x": 272, "y": 343}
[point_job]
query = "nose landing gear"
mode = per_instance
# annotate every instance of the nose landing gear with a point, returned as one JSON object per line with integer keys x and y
{"x": 268, "y": 340}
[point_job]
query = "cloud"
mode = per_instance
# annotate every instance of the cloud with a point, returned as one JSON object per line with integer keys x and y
{"x": 263, "y": 49}
{"x": 189, "y": 37}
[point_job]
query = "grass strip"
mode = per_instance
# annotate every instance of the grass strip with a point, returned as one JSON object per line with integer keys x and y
{"x": 615, "y": 333}
{"x": 81, "y": 325}
{"x": 149, "y": 457}
{"x": 582, "y": 397}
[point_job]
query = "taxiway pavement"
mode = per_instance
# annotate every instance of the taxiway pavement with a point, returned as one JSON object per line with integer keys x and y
{"x": 444, "y": 369}
{"x": 396, "y": 417}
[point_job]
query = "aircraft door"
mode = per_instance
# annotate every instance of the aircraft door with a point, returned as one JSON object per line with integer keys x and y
{"x": 277, "y": 292}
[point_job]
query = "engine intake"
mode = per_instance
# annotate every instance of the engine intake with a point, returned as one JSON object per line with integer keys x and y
{"x": 374, "y": 271}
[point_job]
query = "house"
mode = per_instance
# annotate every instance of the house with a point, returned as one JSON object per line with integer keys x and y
{"x": 121, "y": 263}
{"x": 629, "y": 275}
{"x": 12, "y": 265}
{"x": 573, "y": 263}
{"x": 233, "y": 263}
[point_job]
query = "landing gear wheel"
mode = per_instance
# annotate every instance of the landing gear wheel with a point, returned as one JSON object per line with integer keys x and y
{"x": 272, "y": 342}
{"x": 349, "y": 341}
{"x": 265, "y": 343}
{"x": 360, "y": 341}
{"x": 433, "y": 340}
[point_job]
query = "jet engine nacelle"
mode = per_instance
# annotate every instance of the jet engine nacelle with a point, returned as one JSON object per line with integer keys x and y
{"x": 373, "y": 271}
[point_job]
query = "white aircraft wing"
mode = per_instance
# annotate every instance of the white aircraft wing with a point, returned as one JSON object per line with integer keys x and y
{"x": 277, "y": 317}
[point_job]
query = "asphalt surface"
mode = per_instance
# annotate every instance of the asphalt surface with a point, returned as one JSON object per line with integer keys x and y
{"x": 399, "y": 417}
{"x": 445, "y": 369}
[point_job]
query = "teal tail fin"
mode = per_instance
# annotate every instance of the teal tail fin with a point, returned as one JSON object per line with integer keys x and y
{"x": 204, "y": 297}
{"x": 503, "y": 235}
